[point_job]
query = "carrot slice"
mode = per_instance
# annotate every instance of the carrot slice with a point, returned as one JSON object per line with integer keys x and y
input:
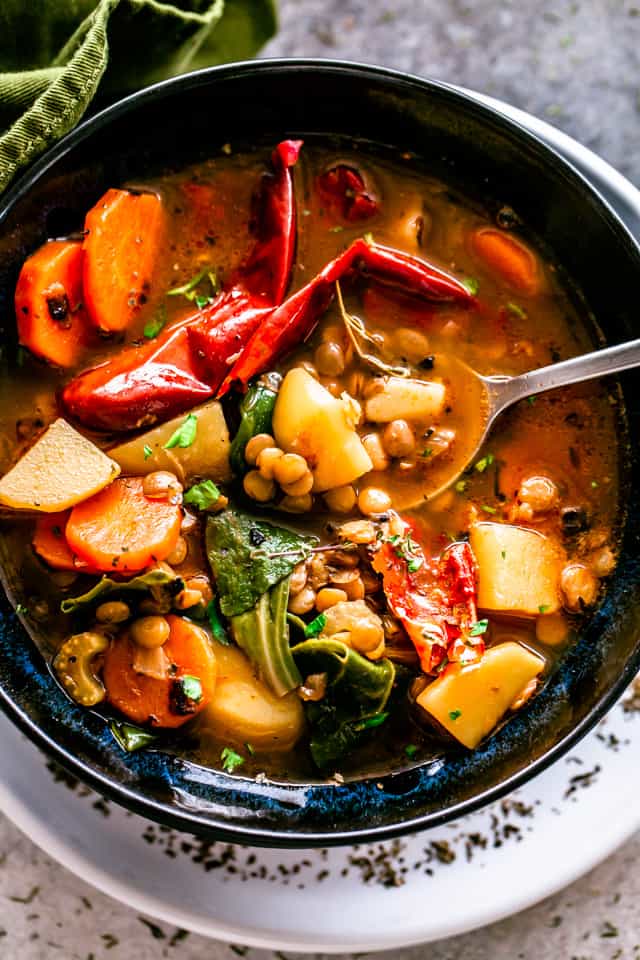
{"x": 161, "y": 702}
{"x": 517, "y": 265}
{"x": 52, "y": 321}
{"x": 125, "y": 231}
{"x": 119, "y": 529}
{"x": 50, "y": 543}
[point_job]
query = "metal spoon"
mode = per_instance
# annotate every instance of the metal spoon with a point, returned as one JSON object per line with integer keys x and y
{"x": 495, "y": 394}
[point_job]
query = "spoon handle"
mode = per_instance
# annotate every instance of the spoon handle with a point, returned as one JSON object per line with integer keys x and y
{"x": 507, "y": 390}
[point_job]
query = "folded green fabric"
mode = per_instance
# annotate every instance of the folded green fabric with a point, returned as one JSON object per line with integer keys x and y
{"x": 56, "y": 54}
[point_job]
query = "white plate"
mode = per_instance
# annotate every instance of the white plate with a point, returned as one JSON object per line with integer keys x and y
{"x": 449, "y": 880}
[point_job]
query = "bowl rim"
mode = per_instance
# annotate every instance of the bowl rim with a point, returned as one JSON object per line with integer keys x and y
{"x": 190, "y": 821}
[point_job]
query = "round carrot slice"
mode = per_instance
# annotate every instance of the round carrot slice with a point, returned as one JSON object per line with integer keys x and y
{"x": 171, "y": 700}
{"x": 52, "y": 323}
{"x": 516, "y": 264}
{"x": 50, "y": 543}
{"x": 120, "y": 530}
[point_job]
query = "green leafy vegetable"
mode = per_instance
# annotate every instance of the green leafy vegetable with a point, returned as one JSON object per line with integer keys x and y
{"x": 191, "y": 687}
{"x": 159, "y": 582}
{"x": 185, "y": 434}
{"x": 156, "y": 324}
{"x": 230, "y": 759}
{"x": 256, "y": 413}
{"x": 316, "y": 626}
{"x": 357, "y": 693}
{"x": 189, "y": 291}
{"x": 249, "y": 556}
{"x": 217, "y": 628}
{"x": 411, "y": 750}
{"x": 147, "y": 451}
{"x": 455, "y": 714}
{"x": 202, "y": 495}
{"x": 263, "y": 634}
{"x": 129, "y": 736}
{"x": 478, "y": 628}
{"x": 471, "y": 284}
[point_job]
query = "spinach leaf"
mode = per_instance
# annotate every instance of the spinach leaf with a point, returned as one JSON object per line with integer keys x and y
{"x": 246, "y": 557}
{"x": 263, "y": 634}
{"x": 160, "y": 581}
{"x": 256, "y": 412}
{"x": 357, "y": 693}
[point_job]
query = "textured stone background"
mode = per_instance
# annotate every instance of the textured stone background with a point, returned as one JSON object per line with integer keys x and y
{"x": 576, "y": 65}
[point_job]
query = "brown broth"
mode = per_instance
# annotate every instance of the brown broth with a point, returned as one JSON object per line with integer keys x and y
{"x": 568, "y": 435}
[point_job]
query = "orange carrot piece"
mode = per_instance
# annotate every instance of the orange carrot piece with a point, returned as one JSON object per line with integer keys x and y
{"x": 52, "y": 322}
{"x": 160, "y": 702}
{"x": 125, "y": 231}
{"x": 50, "y": 543}
{"x": 515, "y": 263}
{"x": 120, "y": 530}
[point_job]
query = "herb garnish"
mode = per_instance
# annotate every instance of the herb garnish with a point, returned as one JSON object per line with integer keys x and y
{"x": 184, "y": 435}
{"x": 230, "y": 759}
{"x": 217, "y": 629}
{"x": 454, "y": 714}
{"x": 478, "y": 628}
{"x": 543, "y": 607}
{"x": 189, "y": 290}
{"x": 411, "y": 750}
{"x": 460, "y": 486}
{"x": 202, "y": 495}
{"x": 316, "y": 626}
{"x": 471, "y": 285}
{"x": 191, "y": 687}
{"x": 503, "y": 554}
{"x": 336, "y": 229}
{"x": 156, "y": 324}
{"x": 406, "y": 548}
{"x": 517, "y": 311}
{"x": 484, "y": 462}
{"x": 370, "y": 722}
{"x": 488, "y": 509}
{"x": 147, "y": 451}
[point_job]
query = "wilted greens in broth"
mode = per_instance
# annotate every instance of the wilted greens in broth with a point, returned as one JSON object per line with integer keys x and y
{"x": 239, "y": 395}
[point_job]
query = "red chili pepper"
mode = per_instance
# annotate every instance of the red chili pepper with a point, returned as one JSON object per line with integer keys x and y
{"x": 435, "y": 601}
{"x": 186, "y": 364}
{"x": 342, "y": 188}
{"x": 294, "y": 321}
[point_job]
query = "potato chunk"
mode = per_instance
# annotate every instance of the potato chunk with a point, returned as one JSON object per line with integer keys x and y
{"x": 208, "y": 455}
{"x": 61, "y": 469}
{"x": 518, "y": 569}
{"x": 308, "y": 420}
{"x": 243, "y": 710}
{"x": 404, "y": 399}
{"x": 469, "y": 701}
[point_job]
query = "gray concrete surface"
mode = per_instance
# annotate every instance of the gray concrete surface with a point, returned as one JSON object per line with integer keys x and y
{"x": 574, "y": 63}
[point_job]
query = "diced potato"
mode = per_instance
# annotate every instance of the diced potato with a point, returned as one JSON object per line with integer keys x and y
{"x": 243, "y": 710}
{"x": 469, "y": 701}
{"x": 308, "y": 420}
{"x": 208, "y": 455}
{"x": 518, "y": 569}
{"x": 404, "y": 399}
{"x": 61, "y": 469}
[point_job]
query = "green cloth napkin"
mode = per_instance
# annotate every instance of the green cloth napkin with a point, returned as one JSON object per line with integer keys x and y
{"x": 55, "y": 55}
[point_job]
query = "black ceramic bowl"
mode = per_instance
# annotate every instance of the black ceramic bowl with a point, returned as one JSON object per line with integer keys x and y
{"x": 497, "y": 162}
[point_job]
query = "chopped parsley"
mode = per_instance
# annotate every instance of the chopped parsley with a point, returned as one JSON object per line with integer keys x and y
{"x": 336, "y": 229}
{"x": 517, "y": 311}
{"x": 531, "y": 400}
{"x": 202, "y": 495}
{"x": 503, "y": 554}
{"x": 230, "y": 759}
{"x": 316, "y": 626}
{"x": 20, "y": 608}
{"x": 191, "y": 687}
{"x": 405, "y": 548}
{"x": 488, "y": 509}
{"x": 460, "y": 486}
{"x": 184, "y": 435}
{"x": 370, "y": 722}
{"x": 478, "y": 628}
{"x": 368, "y": 238}
{"x": 155, "y": 325}
{"x": 411, "y": 750}
{"x": 471, "y": 285}
{"x": 454, "y": 714}
{"x": 594, "y": 484}
{"x": 426, "y": 452}
{"x": 148, "y": 452}
{"x": 189, "y": 289}
{"x": 250, "y": 750}
{"x": 543, "y": 607}
{"x": 414, "y": 564}
{"x": 484, "y": 462}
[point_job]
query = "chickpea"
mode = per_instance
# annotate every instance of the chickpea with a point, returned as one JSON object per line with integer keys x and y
{"x": 329, "y": 359}
{"x": 258, "y": 487}
{"x": 411, "y": 345}
{"x": 187, "y": 598}
{"x": 296, "y": 504}
{"x": 341, "y": 499}
{"x": 579, "y": 587}
{"x": 256, "y": 445}
{"x": 366, "y": 635}
{"x": 266, "y": 461}
{"x": 300, "y": 487}
{"x": 540, "y": 493}
{"x": 202, "y": 585}
{"x": 328, "y": 597}
{"x": 358, "y": 531}
{"x": 161, "y": 485}
{"x": 303, "y": 601}
{"x": 373, "y": 445}
{"x": 113, "y": 611}
{"x": 298, "y": 578}
{"x": 179, "y": 553}
{"x": 372, "y": 501}
{"x": 355, "y": 589}
{"x": 150, "y": 632}
{"x": 602, "y": 561}
{"x": 289, "y": 468}
{"x": 398, "y": 439}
